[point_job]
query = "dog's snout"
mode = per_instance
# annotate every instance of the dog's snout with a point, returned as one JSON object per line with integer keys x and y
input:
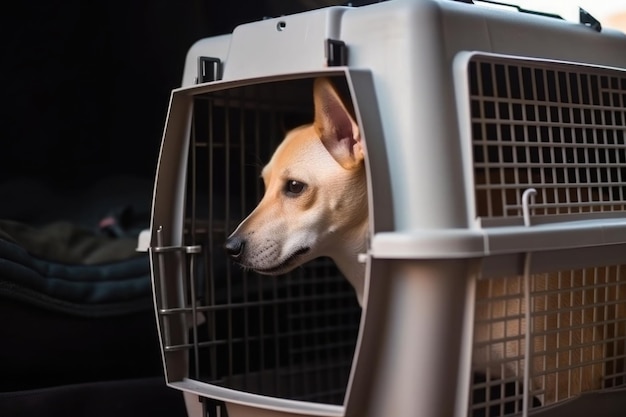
{"x": 234, "y": 246}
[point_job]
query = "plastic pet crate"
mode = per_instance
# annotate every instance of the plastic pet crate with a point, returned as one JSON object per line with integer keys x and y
{"x": 496, "y": 168}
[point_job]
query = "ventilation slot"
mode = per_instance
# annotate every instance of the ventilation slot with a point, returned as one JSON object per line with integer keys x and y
{"x": 558, "y": 128}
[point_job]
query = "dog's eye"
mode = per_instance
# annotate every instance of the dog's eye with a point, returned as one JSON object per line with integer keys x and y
{"x": 294, "y": 188}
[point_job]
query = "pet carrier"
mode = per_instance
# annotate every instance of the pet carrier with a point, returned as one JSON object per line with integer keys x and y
{"x": 496, "y": 172}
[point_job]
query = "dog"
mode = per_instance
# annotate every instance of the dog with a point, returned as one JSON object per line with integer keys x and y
{"x": 315, "y": 201}
{"x": 315, "y": 204}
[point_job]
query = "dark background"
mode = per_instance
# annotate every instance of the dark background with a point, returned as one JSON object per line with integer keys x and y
{"x": 85, "y": 88}
{"x": 86, "y": 84}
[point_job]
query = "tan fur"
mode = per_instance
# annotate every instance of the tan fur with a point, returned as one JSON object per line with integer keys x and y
{"x": 329, "y": 218}
{"x": 573, "y": 346}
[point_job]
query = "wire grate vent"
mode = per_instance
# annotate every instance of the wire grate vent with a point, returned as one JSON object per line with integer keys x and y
{"x": 556, "y": 127}
{"x": 577, "y": 338}
{"x": 291, "y": 336}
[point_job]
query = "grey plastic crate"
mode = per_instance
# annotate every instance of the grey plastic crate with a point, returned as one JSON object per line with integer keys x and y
{"x": 496, "y": 155}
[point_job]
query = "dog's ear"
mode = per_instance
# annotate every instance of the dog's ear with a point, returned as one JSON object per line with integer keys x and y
{"x": 337, "y": 129}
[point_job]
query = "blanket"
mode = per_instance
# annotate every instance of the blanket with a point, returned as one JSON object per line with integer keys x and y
{"x": 66, "y": 268}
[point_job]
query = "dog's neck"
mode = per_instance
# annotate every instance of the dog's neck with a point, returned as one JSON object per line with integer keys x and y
{"x": 346, "y": 257}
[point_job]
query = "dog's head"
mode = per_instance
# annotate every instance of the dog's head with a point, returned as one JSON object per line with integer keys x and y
{"x": 315, "y": 201}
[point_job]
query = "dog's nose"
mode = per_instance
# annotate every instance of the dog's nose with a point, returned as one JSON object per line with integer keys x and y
{"x": 234, "y": 246}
